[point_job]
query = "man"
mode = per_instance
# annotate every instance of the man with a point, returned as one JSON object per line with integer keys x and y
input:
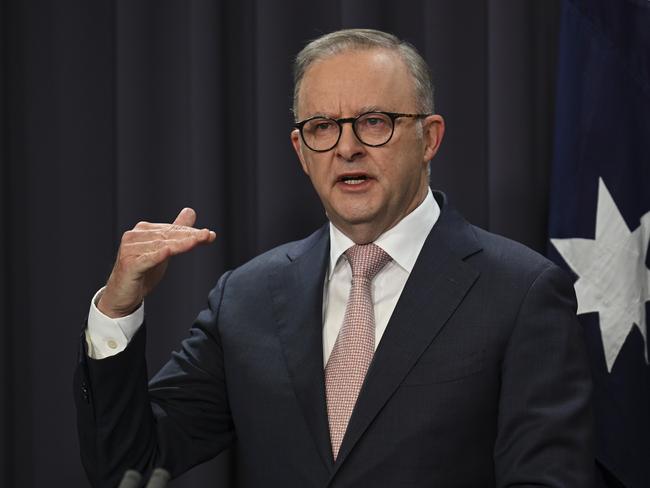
{"x": 452, "y": 359}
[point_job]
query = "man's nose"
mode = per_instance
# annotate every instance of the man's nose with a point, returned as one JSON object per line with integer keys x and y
{"x": 349, "y": 146}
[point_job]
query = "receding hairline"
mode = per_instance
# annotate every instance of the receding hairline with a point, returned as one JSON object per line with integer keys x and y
{"x": 351, "y": 40}
{"x": 390, "y": 54}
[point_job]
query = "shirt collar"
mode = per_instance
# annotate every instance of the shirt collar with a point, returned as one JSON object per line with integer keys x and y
{"x": 402, "y": 242}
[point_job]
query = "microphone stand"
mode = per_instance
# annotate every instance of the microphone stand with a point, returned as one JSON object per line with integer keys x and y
{"x": 133, "y": 479}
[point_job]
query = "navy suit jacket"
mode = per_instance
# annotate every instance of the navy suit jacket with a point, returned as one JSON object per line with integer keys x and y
{"x": 480, "y": 379}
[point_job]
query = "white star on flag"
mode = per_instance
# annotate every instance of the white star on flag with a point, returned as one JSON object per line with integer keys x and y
{"x": 613, "y": 279}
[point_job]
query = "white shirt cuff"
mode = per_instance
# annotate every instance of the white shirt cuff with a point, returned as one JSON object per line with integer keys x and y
{"x": 106, "y": 336}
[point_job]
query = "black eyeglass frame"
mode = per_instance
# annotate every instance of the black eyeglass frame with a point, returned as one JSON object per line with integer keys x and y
{"x": 352, "y": 120}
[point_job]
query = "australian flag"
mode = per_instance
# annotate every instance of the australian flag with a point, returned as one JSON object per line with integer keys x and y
{"x": 599, "y": 220}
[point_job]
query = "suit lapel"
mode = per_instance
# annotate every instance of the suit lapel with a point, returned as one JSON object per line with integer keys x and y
{"x": 437, "y": 285}
{"x": 297, "y": 293}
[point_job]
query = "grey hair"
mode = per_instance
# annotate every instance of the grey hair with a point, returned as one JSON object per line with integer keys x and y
{"x": 360, "y": 39}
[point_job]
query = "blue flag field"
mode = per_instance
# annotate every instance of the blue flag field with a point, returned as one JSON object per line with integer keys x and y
{"x": 599, "y": 221}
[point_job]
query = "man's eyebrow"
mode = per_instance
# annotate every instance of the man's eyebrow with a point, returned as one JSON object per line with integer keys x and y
{"x": 362, "y": 110}
{"x": 370, "y": 108}
{"x": 319, "y": 114}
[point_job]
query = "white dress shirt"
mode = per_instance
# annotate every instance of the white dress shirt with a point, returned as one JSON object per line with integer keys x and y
{"x": 106, "y": 336}
{"x": 403, "y": 244}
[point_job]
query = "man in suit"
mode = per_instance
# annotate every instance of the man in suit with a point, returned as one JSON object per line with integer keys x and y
{"x": 396, "y": 346}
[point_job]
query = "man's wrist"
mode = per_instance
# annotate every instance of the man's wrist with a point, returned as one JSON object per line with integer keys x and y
{"x": 107, "y": 336}
{"x": 112, "y": 312}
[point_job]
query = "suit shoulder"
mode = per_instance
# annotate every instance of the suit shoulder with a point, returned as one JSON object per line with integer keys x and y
{"x": 511, "y": 256}
{"x": 512, "y": 274}
{"x": 280, "y": 255}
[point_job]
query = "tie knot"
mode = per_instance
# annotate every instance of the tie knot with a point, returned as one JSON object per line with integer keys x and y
{"x": 366, "y": 260}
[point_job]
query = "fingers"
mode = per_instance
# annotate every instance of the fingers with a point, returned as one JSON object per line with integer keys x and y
{"x": 149, "y": 244}
{"x": 159, "y": 248}
{"x": 166, "y": 232}
{"x": 182, "y": 226}
{"x": 186, "y": 217}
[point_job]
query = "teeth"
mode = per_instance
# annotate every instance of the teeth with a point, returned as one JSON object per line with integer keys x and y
{"x": 354, "y": 182}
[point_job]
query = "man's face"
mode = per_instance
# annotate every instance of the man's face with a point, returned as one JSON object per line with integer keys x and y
{"x": 394, "y": 175}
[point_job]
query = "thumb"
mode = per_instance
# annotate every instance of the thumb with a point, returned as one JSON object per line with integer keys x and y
{"x": 186, "y": 217}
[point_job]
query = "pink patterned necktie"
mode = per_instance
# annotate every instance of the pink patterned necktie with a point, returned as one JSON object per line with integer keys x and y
{"x": 355, "y": 345}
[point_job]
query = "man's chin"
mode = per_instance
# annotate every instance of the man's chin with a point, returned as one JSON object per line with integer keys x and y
{"x": 359, "y": 223}
{"x": 357, "y": 217}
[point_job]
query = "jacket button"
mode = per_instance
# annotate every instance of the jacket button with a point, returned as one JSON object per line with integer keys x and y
{"x": 84, "y": 391}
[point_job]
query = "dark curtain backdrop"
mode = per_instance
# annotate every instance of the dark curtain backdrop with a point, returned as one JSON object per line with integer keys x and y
{"x": 114, "y": 112}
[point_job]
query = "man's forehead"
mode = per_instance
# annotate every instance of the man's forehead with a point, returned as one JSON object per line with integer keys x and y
{"x": 355, "y": 81}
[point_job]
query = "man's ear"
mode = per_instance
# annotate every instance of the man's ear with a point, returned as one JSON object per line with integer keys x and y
{"x": 296, "y": 142}
{"x": 433, "y": 130}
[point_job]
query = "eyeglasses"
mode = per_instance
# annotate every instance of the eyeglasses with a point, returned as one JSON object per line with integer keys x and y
{"x": 320, "y": 134}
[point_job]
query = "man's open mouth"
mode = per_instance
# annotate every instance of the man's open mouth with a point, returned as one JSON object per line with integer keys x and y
{"x": 353, "y": 179}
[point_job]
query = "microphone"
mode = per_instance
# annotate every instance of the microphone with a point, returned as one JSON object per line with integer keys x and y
{"x": 159, "y": 478}
{"x": 131, "y": 479}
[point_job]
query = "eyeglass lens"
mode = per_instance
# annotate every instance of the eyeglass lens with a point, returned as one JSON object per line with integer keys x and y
{"x": 373, "y": 129}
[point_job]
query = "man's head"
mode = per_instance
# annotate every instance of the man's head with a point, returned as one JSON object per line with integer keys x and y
{"x": 377, "y": 171}
{"x": 363, "y": 39}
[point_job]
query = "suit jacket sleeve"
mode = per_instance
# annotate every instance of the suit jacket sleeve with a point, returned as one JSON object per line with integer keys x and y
{"x": 177, "y": 421}
{"x": 545, "y": 419}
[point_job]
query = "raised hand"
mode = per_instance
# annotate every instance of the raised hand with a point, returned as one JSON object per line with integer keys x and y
{"x": 142, "y": 260}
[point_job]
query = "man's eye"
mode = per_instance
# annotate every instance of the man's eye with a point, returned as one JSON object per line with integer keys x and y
{"x": 320, "y": 126}
{"x": 373, "y": 122}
